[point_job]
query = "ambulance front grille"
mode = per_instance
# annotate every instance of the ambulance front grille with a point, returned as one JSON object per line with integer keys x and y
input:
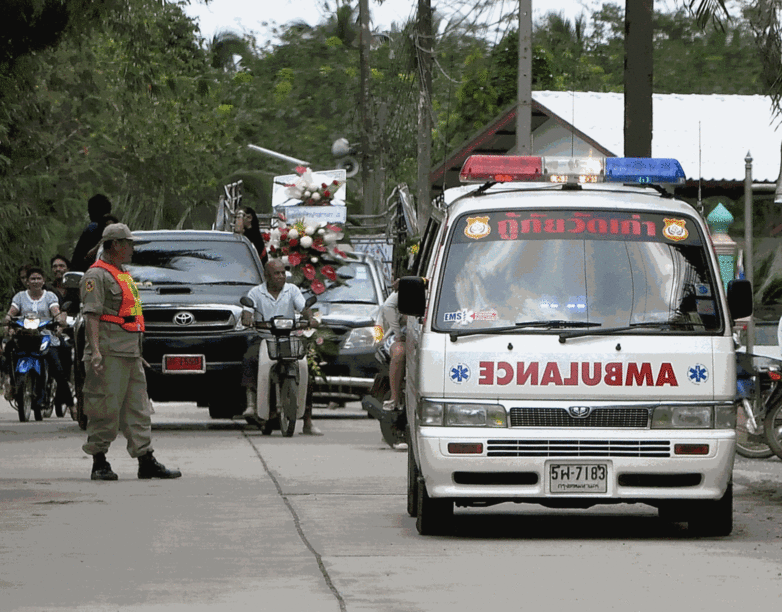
{"x": 578, "y": 448}
{"x": 599, "y": 417}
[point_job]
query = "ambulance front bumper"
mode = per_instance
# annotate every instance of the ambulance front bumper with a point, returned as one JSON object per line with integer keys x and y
{"x": 572, "y": 468}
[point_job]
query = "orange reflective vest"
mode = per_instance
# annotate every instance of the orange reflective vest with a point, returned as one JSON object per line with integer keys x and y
{"x": 130, "y": 317}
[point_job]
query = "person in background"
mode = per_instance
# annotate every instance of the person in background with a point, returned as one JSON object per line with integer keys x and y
{"x": 97, "y": 206}
{"x": 60, "y": 265}
{"x": 22, "y": 276}
{"x": 97, "y": 250}
{"x": 247, "y": 224}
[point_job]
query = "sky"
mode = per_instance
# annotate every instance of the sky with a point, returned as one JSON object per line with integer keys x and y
{"x": 251, "y": 15}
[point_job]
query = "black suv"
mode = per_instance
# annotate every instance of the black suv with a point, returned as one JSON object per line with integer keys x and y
{"x": 190, "y": 284}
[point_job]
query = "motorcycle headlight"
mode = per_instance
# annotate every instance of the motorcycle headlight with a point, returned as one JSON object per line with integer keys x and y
{"x": 282, "y": 323}
{"x": 683, "y": 417}
{"x": 360, "y": 337}
{"x": 439, "y": 414}
{"x": 31, "y": 323}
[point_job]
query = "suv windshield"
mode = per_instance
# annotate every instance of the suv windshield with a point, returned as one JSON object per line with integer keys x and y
{"x": 358, "y": 289}
{"x": 575, "y": 268}
{"x": 193, "y": 262}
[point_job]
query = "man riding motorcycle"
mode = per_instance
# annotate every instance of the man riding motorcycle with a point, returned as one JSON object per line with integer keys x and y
{"x": 272, "y": 298}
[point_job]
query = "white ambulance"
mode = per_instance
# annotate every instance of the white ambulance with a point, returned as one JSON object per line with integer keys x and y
{"x": 569, "y": 344}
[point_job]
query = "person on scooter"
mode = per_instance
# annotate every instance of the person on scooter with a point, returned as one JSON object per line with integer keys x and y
{"x": 273, "y": 297}
{"x": 393, "y": 324}
{"x": 36, "y": 301}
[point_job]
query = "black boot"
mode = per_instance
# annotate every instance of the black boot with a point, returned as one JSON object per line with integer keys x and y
{"x": 101, "y": 470}
{"x": 148, "y": 467}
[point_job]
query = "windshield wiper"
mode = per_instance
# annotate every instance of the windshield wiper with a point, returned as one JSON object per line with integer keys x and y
{"x": 609, "y": 331}
{"x": 549, "y": 324}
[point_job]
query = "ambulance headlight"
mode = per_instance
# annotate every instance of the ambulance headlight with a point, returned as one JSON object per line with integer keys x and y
{"x": 475, "y": 415}
{"x": 439, "y": 414}
{"x": 683, "y": 417}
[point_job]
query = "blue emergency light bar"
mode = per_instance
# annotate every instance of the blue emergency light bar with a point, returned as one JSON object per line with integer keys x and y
{"x": 514, "y": 168}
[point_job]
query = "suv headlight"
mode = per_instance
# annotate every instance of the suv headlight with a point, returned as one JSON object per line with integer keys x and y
{"x": 360, "y": 337}
{"x": 694, "y": 417}
{"x": 447, "y": 414}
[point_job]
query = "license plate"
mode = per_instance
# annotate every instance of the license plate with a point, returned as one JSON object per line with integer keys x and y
{"x": 578, "y": 478}
{"x": 184, "y": 364}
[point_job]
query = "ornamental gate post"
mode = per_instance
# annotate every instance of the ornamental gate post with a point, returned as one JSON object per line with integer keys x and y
{"x": 719, "y": 221}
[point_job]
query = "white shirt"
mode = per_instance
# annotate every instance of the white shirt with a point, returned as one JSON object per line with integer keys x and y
{"x": 287, "y": 304}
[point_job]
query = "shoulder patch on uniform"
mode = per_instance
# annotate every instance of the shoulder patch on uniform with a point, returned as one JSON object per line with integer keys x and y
{"x": 89, "y": 284}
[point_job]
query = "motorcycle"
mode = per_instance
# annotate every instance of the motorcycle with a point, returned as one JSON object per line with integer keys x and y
{"x": 287, "y": 378}
{"x": 758, "y": 397}
{"x": 393, "y": 423}
{"x": 34, "y": 387}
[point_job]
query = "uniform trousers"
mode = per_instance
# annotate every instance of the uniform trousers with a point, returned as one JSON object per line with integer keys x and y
{"x": 116, "y": 400}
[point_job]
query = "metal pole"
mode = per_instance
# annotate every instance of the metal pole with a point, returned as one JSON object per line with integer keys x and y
{"x": 286, "y": 158}
{"x": 524, "y": 107}
{"x": 748, "y": 246}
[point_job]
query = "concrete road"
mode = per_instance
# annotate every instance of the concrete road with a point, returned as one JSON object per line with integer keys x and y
{"x": 319, "y": 524}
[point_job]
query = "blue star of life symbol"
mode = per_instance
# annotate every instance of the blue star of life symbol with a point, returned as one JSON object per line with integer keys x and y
{"x": 460, "y": 373}
{"x": 698, "y": 373}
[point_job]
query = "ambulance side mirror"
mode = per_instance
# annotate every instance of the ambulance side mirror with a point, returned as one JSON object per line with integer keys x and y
{"x": 412, "y": 295}
{"x": 740, "y": 298}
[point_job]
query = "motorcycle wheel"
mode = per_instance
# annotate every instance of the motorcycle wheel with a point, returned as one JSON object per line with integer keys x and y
{"x": 47, "y": 399}
{"x": 773, "y": 426}
{"x": 24, "y": 397}
{"x": 750, "y": 438}
{"x": 287, "y": 406}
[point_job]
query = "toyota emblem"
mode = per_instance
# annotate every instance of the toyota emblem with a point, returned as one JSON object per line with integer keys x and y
{"x": 184, "y": 318}
{"x": 579, "y": 412}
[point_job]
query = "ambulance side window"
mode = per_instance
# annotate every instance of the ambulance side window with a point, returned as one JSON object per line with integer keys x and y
{"x": 421, "y": 264}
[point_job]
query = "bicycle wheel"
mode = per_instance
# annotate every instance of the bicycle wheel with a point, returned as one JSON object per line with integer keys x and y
{"x": 287, "y": 406}
{"x": 773, "y": 427}
{"x": 750, "y": 436}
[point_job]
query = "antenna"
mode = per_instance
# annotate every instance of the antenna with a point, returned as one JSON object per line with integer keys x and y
{"x": 700, "y": 171}
{"x": 572, "y": 122}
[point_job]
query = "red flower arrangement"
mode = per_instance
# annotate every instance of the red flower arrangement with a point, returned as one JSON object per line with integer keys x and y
{"x": 310, "y": 252}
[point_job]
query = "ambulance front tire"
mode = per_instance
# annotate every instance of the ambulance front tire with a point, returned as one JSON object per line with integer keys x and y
{"x": 712, "y": 518}
{"x": 412, "y": 482}
{"x": 435, "y": 515}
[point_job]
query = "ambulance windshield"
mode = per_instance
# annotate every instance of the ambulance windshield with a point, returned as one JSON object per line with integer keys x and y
{"x": 606, "y": 268}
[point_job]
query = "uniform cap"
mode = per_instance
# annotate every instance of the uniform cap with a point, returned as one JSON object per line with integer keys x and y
{"x": 117, "y": 231}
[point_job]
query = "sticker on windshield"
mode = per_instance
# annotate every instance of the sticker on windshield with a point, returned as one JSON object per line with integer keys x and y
{"x": 460, "y": 373}
{"x": 702, "y": 290}
{"x": 675, "y": 229}
{"x": 477, "y": 227}
{"x": 465, "y": 317}
{"x": 361, "y": 274}
{"x": 706, "y": 307}
{"x": 698, "y": 374}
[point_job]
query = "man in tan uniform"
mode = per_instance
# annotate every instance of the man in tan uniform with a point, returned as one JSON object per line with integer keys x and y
{"x": 115, "y": 386}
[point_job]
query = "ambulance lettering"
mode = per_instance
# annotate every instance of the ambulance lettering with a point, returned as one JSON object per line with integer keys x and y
{"x": 614, "y": 374}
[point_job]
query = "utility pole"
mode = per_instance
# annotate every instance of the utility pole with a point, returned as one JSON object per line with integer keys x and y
{"x": 424, "y": 41}
{"x": 524, "y": 108}
{"x": 367, "y": 158}
{"x": 638, "y": 73}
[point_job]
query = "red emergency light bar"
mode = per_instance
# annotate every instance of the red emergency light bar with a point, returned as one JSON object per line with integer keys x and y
{"x": 501, "y": 168}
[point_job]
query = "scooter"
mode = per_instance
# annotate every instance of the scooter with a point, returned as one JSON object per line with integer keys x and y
{"x": 758, "y": 392}
{"x": 34, "y": 388}
{"x": 282, "y": 388}
{"x": 393, "y": 423}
